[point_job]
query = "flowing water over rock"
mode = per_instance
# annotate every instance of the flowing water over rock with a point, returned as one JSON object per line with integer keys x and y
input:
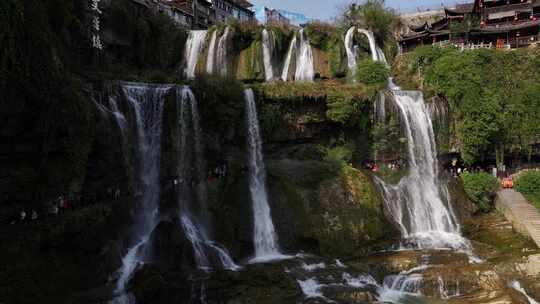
{"x": 146, "y": 102}
{"x": 288, "y": 59}
{"x": 194, "y": 46}
{"x": 349, "y": 48}
{"x": 517, "y": 286}
{"x": 192, "y": 188}
{"x": 376, "y": 52}
{"x": 304, "y": 59}
{"x": 264, "y": 234}
{"x": 222, "y": 54}
{"x": 211, "y": 53}
{"x": 419, "y": 204}
{"x": 268, "y": 51}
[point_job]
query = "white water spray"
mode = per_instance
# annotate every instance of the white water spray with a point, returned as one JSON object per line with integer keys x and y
{"x": 194, "y": 46}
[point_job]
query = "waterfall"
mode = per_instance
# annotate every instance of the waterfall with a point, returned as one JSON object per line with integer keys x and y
{"x": 146, "y": 103}
{"x": 267, "y": 55}
{"x": 420, "y": 204}
{"x": 264, "y": 234}
{"x": 194, "y": 46}
{"x": 372, "y": 44}
{"x": 192, "y": 175}
{"x": 351, "y": 53}
{"x": 379, "y": 108}
{"x": 304, "y": 59}
{"x": 222, "y": 52}
{"x": 211, "y": 53}
{"x": 517, "y": 286}
{"x": 288, "y": 59}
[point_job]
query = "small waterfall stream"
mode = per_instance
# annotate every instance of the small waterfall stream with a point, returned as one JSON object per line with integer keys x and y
{"x": 222, "y": 53}
{"x": 517, "y": 286}
{"x": 304, "y": 60}
{"x": 268, "y": 51}
{"x": 146, "y": 102}
{"x": 264, "y": 234}
{"x": 211, "y": 53}
{"x": 372, "y": 44}
{"x": 288, "y": 59}
{"x": 191, "y": 171}
{"x": 349, "y": 48}
{"x": 194, "y": 46}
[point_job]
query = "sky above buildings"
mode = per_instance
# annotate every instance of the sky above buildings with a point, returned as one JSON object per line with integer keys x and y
{"x": 327, "y": 9}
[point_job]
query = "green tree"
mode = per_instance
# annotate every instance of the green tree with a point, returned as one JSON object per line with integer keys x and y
{"x": 371, "y": 15}
{"x": 480, "y": 188}
{"x": 373, "y": 73}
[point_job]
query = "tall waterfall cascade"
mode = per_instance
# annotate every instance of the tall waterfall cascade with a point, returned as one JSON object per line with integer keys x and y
{"x": 194, "y": 45}
{"x": 268, "y": 51}
{"x": 420, "y": 203}
{"x": 264, "y": 234}
{"x": 211, "y": 53}
{"x": 192, "y": 199}
{"x": 349, "y": 48}
{"x": 146, "y": 103}
{"x": 222, "y": 52}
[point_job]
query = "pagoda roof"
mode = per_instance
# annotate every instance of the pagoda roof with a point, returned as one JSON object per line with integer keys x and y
{"x": 243, "y": 3}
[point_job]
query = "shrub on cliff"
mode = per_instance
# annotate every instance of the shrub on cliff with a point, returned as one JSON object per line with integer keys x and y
{"x": 373, "y": 73}
{"x": 481, "y": 188}
{"x": 528, "y": 184}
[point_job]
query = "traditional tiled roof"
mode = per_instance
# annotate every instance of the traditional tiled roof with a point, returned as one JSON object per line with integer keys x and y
{"x": 243, "y": 3}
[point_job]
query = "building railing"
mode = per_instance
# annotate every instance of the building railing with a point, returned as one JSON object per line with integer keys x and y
{"x": 511, "y": 43}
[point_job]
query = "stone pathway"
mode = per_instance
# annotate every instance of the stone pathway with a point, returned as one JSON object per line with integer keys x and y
{"x": 524, "y": 216}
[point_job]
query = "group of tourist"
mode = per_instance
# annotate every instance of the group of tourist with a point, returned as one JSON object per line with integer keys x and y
{"x": 374, "y": 167}
{"x": 64, "y": 203}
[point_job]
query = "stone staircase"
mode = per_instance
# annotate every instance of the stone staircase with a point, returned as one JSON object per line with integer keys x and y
{"x": 524, "y": 217}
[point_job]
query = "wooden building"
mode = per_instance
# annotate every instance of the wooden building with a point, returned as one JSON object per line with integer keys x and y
{"x": 484, "y": 23}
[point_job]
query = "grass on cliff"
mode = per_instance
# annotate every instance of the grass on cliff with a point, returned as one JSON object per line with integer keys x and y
{"x": 346, "y": 103}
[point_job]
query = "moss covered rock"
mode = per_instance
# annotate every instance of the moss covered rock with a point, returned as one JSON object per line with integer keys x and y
{"x": 336, "y": 213}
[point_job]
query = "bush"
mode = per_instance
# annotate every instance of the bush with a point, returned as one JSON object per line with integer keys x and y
{"x": 528, "y": 184}
{"x": 481, "y": 188}
{"x": 373, "y": 73}
{"x": 337, "y": 156}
